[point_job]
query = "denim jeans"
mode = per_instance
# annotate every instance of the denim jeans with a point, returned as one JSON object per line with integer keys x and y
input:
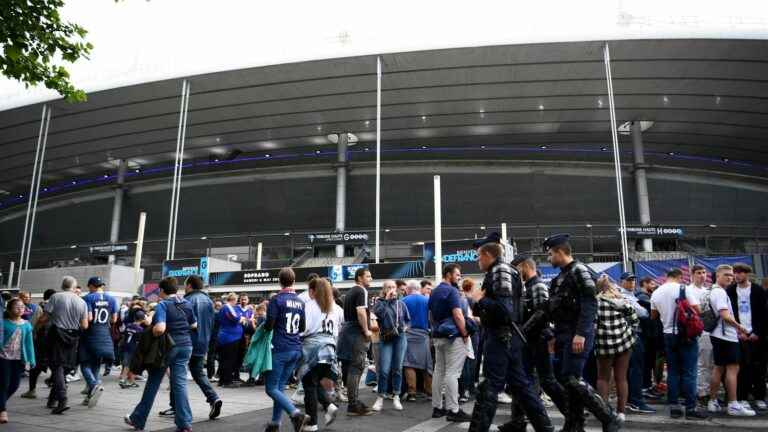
{"x": 90, "y": 371}
{"x": 198, "y": 374}
{"x": 635, "y": 374}
{"x": 178, "y": 358}
{"x": 283, "y": 364}
{"x": 391, "y": 356}
{"x": 681, "y": 371}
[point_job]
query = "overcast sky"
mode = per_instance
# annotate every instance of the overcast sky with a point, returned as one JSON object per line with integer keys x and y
{"x": 139, "y": 41}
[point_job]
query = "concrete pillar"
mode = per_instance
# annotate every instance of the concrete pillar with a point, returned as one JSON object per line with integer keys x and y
{"x": 641, "y": 181}
{"x": 341, "y": 189}
{"x": 117, "y": 207}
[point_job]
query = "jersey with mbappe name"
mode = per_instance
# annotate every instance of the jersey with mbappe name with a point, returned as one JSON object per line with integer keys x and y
{"x": 101, "y": 308}
{"x": 287, "y": 311}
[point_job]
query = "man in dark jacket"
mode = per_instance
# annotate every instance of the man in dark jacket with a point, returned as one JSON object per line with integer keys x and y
{"x": 573, "y": 310}
{"x": 748, "y": 300}
{"x": 501, "y": 313}
{"x": 202, "y": 305}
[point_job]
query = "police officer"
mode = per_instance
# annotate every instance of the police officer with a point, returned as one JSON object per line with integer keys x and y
{"x": 539, "y": 335}
{"x": 500, "y": 312}
{"x": 573, "y": 309}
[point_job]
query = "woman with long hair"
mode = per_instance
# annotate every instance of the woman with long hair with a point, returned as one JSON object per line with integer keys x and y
{"x": 318, "y": 371}
{"x": 16, "y": 351}
{"x": 616, "y": 324}
{"x": 393, "y": 319}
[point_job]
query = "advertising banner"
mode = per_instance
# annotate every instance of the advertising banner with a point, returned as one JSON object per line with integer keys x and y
{"x": 658, "y": 269}
{"x": 399, "y": 270}
{"x": 181, "y": 268}
{"x": 454, "y": 251}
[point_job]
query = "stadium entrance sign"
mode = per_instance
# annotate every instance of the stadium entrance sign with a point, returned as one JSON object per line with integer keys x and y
{"x": 654, "y": 232}
{"x": 335, "y": 238}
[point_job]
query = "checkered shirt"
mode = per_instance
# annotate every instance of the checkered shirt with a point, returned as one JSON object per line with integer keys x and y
{"x": 616, "y": 320}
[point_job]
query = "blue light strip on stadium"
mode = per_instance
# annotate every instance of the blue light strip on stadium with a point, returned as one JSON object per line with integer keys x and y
{"x": 107, "y": 178}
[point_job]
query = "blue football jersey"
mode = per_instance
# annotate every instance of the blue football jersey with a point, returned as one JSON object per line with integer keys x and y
{"x": 287, "y": 309}
{"x": 101, "y": 308}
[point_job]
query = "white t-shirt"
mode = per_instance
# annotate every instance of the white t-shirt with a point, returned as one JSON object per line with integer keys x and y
{"x": 699, "y": 291}
{"x": 305, "y": 297}
{"x": 720, "y": 301}
{"x": 745, "y": 307}
{"x": 319, "y": 322}
{"x": 663, "y": 300}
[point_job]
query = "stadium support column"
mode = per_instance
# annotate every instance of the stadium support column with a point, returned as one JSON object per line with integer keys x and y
{"x": 34, "y": 192}
{"x": 641, "y": 181}
{"x": 117, "y": 207}
{"x": 341, "y": 189}
{"x": 438, "y": 230}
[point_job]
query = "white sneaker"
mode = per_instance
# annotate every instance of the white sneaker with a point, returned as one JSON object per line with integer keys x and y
{"x": 738, "y": 410}
{"x": 504, "y": 398}
{"x": 396, "y": 403}
{"x": 748, "y": 408}
{"x": 621, "y": 417}
{"x": 761, "y": 405}
{"x": 378, "y": 404}
{"x": 342, "y": 396}
{"x": 298, "y": 397}
{"x": 309, "y": 428}
{"x": 330, "y": 414}
{"x": 713, "y": 406}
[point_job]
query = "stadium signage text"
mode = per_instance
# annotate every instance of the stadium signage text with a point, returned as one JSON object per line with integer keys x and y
{"x": 338, "y": 238}
{"x": 654, "y": 232}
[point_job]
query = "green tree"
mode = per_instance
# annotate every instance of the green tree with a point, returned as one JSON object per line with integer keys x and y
{"x": 35, "y": 43}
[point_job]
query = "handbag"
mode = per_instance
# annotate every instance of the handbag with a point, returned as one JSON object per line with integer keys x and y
{"x": 387, "y": 335}
{"x": 708, "y": 315}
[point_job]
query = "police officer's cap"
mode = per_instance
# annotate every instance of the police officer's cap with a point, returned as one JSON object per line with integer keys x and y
{"x": 493, "y": 237}
{"x": 518, "y": 259}
{"x": 555, "y": 240}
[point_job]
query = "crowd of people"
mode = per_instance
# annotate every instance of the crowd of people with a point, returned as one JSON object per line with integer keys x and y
{"x": 582, "y": 342}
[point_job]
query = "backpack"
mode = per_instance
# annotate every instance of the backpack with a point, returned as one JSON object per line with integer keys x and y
{"x": 709, "y": 318}
{"x": 687, "y": 321}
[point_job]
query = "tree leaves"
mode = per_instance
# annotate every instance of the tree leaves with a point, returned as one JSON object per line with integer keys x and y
{"x": 32, "y": 35}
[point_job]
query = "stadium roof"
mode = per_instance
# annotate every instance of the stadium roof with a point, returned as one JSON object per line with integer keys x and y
{"x": 705, "y": 100}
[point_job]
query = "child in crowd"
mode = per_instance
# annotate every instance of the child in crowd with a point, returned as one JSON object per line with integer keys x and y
{"x": 131, "y": 336}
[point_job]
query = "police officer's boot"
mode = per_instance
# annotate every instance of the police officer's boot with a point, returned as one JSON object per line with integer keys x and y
{"x": 557, "y": 393}
{"x": 517, "y": 422}
{"x": 485, "y": 408}
{"x": 540, "y": 423}
{"x": 596, "y": 405}
{"x": 574, "y": 418}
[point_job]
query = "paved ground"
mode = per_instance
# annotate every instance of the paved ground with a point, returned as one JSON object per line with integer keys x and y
{"x": 249, "y": 409}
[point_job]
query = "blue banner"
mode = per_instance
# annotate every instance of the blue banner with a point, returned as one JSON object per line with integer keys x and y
{"x": 711, "y": 263}
{"x": 181, "y": 268}
{"x": 658, "y": 269}
{"x": 612, "y": 269}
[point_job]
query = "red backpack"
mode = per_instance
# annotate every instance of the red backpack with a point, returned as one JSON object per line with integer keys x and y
{"x": 688, "y": 323}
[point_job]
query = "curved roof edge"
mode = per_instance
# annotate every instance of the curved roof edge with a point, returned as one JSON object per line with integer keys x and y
{"x": 140, "y": 42}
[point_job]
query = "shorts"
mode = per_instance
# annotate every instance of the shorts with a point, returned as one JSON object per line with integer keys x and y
{"x": 126, "y": 357}
{"x": 725, "y": 352}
